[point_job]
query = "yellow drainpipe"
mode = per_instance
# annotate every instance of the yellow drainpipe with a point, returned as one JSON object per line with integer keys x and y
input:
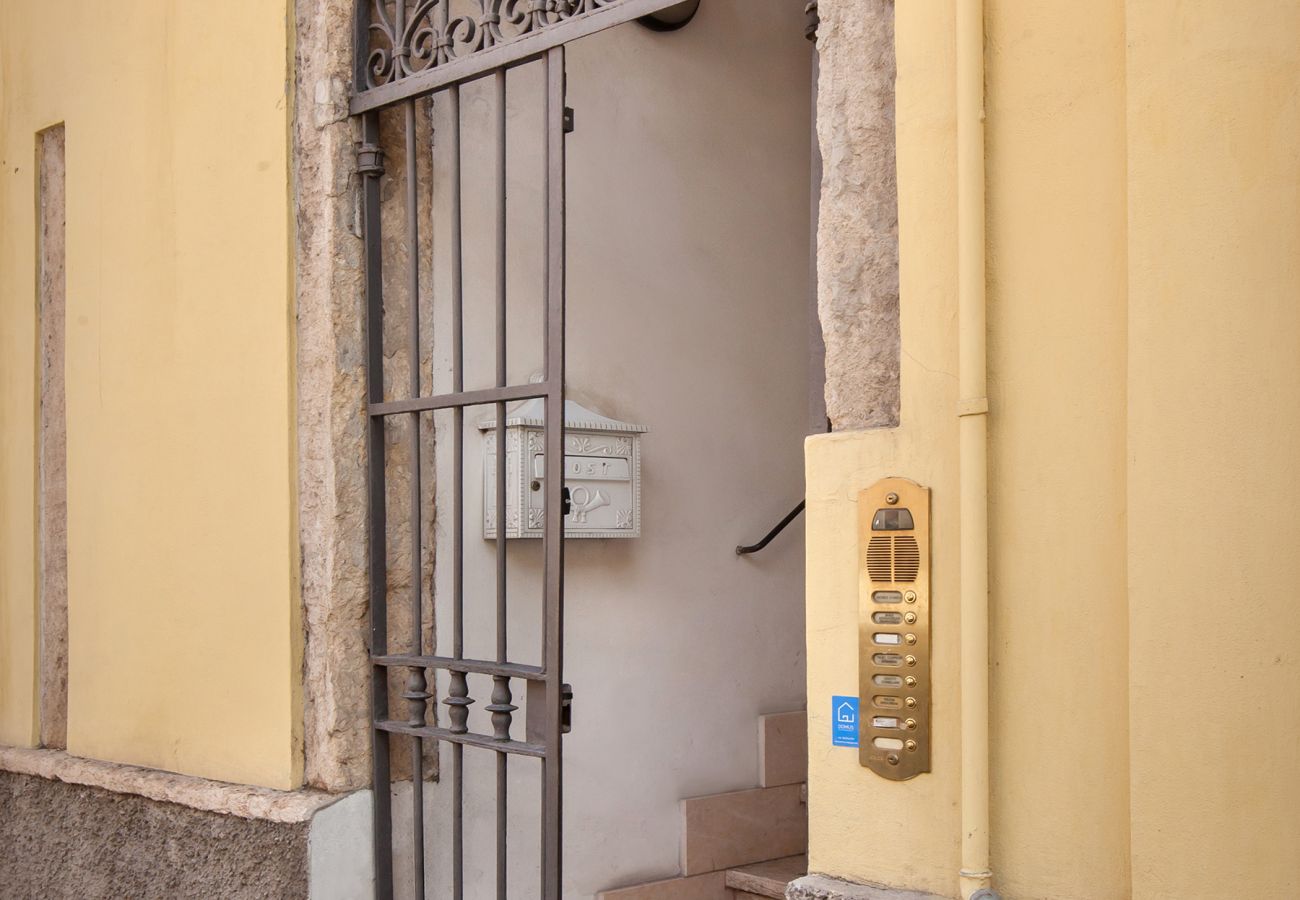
{"x": 975, "y": 875}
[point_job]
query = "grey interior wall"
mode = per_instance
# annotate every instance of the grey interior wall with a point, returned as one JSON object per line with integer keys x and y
{"x": 688, "y": 284}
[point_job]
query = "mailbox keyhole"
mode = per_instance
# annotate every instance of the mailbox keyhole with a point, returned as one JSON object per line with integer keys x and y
{"x": 566, "y": 499}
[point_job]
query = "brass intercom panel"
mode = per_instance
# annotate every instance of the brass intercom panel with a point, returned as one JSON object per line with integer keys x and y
{"x": 894, "y": 628}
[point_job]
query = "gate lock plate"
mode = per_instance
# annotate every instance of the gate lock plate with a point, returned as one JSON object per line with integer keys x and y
{"x": 894, "y": 628}
{"x": 538, "y": 712}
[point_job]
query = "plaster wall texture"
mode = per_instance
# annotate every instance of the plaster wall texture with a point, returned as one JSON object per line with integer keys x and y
{"x": 73, "y": 841}
{"x": 1213, "y": 489}
{"x": 88, "y": 829}
{"x": 1144, "y": 263}
{"x": 688, "y": 259}
{"x": 1057, "y": 373}
{"x": 183, "y": 619}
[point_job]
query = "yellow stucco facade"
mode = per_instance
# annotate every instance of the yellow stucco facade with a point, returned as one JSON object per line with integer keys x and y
{"x": 1143, "y": 255}
{"x": 184, "y": 636}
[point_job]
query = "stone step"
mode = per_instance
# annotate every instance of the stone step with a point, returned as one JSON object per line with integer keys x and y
{"x": 712, "y": 886}
{"x": 761, "y": 881}
{"x": 723, "y": 831}
{"x": 767, "y": 879}
{"x": 783, "y": 748}
{"x": 757, "y": 834}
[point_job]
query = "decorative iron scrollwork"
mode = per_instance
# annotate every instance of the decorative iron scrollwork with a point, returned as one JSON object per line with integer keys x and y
{"x": 412, "y": 36}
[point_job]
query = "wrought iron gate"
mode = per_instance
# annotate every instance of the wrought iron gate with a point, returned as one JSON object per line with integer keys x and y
{"x": 406, "y": 50}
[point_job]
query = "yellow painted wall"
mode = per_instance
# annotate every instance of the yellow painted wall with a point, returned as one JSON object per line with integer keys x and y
{"x": 1057, "y": 325}
{"x": 1144, "y": 333}
{"x": 1213, "y": 430}
{"x": 183, "y": 610}
{"x": 862, "y": 827}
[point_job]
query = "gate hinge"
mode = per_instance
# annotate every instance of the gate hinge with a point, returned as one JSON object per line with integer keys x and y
{"x": 568, "y": 120}
{"x": 566, "y": 502}
{"x": 370, "y": 160}
{"x": 566, "y": 708}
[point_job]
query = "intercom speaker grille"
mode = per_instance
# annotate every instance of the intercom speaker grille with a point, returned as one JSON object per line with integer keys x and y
{"x": 879, "y": 559}
{"x": 907, "y": 558}
{"x": 894, "y": 559}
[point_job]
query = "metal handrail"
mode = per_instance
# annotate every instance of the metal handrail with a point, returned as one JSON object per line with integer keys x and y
{"x": 743, "y": 550}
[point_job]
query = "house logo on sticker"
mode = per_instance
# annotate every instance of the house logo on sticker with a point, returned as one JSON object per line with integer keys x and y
{"x": 844, "y": 721}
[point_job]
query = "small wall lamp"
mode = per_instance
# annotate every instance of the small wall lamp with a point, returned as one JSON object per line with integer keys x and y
{"x": 672, "y": 18}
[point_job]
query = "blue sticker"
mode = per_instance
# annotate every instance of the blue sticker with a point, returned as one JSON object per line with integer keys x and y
{"x": 844, "y": 721}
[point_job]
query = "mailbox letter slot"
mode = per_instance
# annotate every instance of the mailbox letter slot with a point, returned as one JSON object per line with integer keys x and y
{"x": 602, "y": 474}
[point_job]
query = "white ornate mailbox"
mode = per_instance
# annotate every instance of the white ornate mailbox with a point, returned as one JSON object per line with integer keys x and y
{"x": 602, "y": 469}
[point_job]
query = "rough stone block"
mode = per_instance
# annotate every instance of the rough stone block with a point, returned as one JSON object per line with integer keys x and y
{"x": 820, "y": 887}
{"x": 857, "y": 231}
{"x": 768, "y": 879}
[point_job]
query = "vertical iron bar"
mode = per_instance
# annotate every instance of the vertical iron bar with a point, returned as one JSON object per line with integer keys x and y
{"x": 459, "y": 690}
{"x": 501, "y": 360}
{"x": 415, "y": 685}
{"x": 400, "y": 49}
{"x": 501, "y": 687}
{"x": 413, "y": 367}
{"x": 553, "y": 618}
{"x": 382, "y": 821}
{"x": 360, "y": 46}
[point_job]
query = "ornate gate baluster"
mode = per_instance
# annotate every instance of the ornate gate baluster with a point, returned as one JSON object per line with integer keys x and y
{"x": 459, "y": 701}
{"x": 501, "y": 708}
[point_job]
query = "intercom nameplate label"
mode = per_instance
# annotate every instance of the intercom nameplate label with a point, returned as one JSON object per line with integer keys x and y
{"x": 894, "y": 577}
